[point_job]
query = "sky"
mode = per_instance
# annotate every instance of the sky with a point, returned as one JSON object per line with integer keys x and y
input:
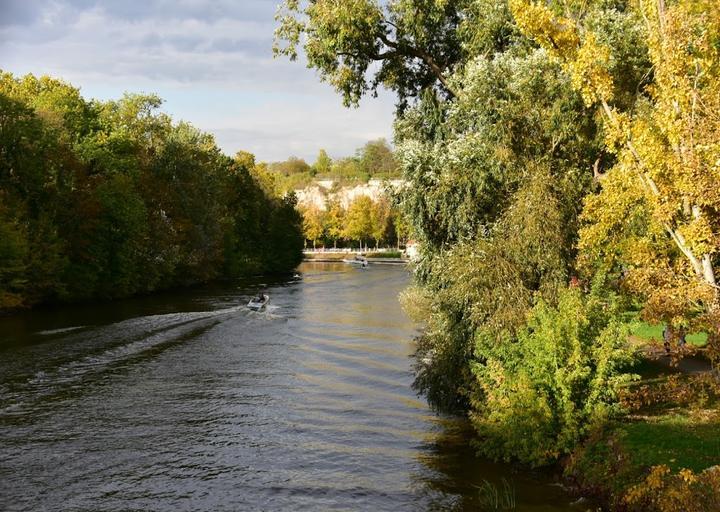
{"x": 210, "y": 60}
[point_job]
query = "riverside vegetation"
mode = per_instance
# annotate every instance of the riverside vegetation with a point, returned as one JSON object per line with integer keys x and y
{"x": 110, "y": 199}
{"x": 364, "y": 218}
{"x": 562, "y": 160}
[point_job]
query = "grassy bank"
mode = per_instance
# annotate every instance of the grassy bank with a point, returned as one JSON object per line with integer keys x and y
{"x": 663, "y": 456}
{"x": 385, "y": 254}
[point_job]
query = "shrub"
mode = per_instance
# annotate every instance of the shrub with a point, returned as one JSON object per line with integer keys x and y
{"x": 685, "y": 491}
{"x": 386, "y": 254}
{"x": 541, "y": 391}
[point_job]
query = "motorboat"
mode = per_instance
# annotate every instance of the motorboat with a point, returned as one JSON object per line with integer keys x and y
{"x": 259, "y": 302}
{"x": 357, "y": 260}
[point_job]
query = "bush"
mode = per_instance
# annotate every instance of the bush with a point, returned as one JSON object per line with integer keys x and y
{"x": 386, "y": 254}
{"x": 685, "y": 491}
{"x": 541, "y": 392}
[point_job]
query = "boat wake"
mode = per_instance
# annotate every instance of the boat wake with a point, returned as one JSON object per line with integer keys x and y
{"x": 52, "y": 332}
{"x": 89, "y": 351}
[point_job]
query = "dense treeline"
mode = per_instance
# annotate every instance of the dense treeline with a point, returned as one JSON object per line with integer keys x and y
{"x": 363, "y": 220}
{"x": 562, "y": 160}
{"x": 110, "y": 199}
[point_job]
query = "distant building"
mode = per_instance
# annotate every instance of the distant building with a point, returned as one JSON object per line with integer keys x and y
{"x": 412, "y": 249}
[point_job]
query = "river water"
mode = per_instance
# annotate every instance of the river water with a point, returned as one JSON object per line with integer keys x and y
{"x": 188, "y": 401}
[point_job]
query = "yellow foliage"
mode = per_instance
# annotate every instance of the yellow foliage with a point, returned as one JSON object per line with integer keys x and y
{"x": 556, "y": 34}
{"x": 589, "y": 71}
{"x": 686, "y": 491}
{"x": 659, "y": 211}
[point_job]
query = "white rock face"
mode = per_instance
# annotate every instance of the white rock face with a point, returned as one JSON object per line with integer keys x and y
{"x": 318, "y": 194}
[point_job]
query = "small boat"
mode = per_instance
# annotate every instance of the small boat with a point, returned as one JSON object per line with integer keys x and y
{"x": 259, "y": 302}
{"x": 357, "y": 260}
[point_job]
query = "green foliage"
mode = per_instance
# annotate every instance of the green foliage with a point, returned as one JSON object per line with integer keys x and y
{"x": 13, "y": 254}
{"x": 111, "y": 199}
{"x": 385, "y": 254}
{"x": 377, "y": 160}
{"x": 541, "y": 391}
{"x": 414, "y": 42}
{"x": 292, "y": 165}
{"x": 517, "y": 114}
{"x": 323, "y": 163}
{"x": 500, "y": 145}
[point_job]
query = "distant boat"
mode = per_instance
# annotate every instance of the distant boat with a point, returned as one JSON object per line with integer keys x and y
{"x": 357, "y": 260}
{"x": 259, "y": 302}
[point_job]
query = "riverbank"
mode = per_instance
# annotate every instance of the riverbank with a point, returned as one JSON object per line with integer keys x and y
{"x": 663, "y": 455}
{"x": 374, "y": 258}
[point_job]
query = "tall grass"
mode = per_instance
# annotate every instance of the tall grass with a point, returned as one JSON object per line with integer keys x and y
{"x": 497, "y": 497}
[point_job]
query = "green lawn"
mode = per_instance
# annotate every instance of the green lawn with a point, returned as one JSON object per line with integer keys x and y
{"x": 676, "y": 440}
{"x": 648, "y": 332}
{"x": 620, "y": 457}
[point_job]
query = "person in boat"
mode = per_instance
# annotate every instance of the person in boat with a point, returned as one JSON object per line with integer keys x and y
{"x": 260, "y": 297}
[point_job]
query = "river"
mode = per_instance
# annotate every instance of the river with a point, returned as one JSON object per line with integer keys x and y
{"x": 187, "y": 401}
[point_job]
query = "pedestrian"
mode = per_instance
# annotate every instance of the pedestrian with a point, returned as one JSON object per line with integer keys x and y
{"x": 667, "y": 338}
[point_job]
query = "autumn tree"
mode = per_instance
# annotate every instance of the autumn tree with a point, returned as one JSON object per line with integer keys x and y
{"x": 380, "y": 215}
{"x": 358, "y": 220}
{"x": 313, "y": 223}
{"x": 109, "y": 199}
{"x": 334, "y": 221}
{"x": 658, "y": 214}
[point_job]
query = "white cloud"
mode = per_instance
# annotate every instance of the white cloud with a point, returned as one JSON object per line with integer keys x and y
{"x": 211, "y": 61}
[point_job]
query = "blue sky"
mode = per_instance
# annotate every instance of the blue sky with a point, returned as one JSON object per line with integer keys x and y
{"x": 211, "y": 61}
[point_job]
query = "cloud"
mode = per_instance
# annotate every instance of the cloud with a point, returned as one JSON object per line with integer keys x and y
{"x": 16, "y": 12}
{"x": 210, "y": 59}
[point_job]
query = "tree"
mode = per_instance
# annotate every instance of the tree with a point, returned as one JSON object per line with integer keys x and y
{"x": 380, "y": 219}
{"x": 667, "y": 151}
{"x": 313, "y": 223}
{"x": 349, "y": 170}
{"x": 560, "y": 376}
{"x": 323, "y": 163}
{"x": 13, "y": 254}
{"x": 377, "y": 158}
{"x": 414, "y": 41}
{"x": 292, "y": 165}
{"x": 246, "y": 159}
{"x": 109, "y": 199}
{"x": 358, "y": 220}
{"x": 402, "y": 228}
{"x": 334, "y": 221}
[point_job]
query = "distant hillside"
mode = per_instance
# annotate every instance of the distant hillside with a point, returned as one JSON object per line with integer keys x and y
{"x": 319, "y": 192}
{"x": 375, "y": 161}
